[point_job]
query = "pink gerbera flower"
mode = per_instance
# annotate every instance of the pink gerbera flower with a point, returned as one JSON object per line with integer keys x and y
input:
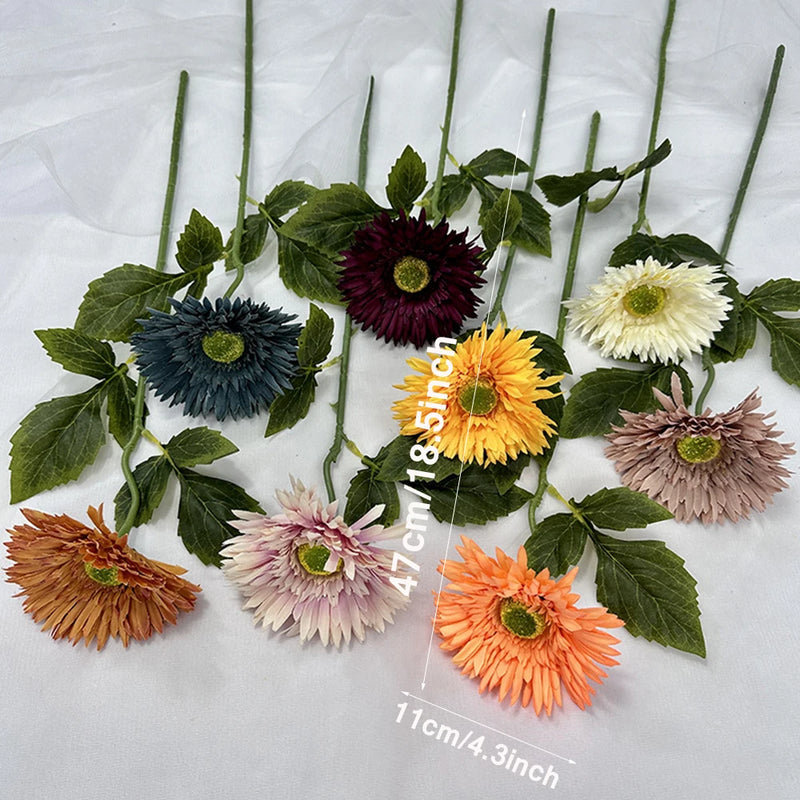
{"x": 306, "y": 571}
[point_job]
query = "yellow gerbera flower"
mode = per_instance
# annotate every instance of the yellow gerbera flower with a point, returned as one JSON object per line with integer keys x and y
{"x": 478, "y": 401}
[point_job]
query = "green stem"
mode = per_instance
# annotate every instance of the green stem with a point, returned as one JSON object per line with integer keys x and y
{"x": 341, "y": 399}
{"x": 708, "y": 366}
{"x": 577, "y": 231}
{"x": 166, "y": 223}
{"x": 497, "y": 306}
{"x": 754, "y": 148}
{"x": 651, "y": 145}
{"x": 236, "y": 258}
{"x": 448, "y": 114}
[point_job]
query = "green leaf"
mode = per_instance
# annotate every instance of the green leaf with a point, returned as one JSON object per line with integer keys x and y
{"x": 152, "y": 478}
{"x": 287, "y": 409}
{"x": 367, "y": 491}
{"x": 77, "y": 352}
{"x": 500, "y": 220}
{"x": 330, "y": 217}
{"x": 784, "y": 349}
{"x": 287, "y": 196}
{"x": 195, "y": 446}
{"x": 594, "y": 402}
{"x": 452, "y": 196}
{"x": 621, "y": 508}
{"x": 557, "y": 544}
{"x": 200, "y": 244}
{"x": 56, "y": 441}
{"x": 646, "y": 584}
{"x": 782, "y": 294}
{"x": 206, "y": 506}
{"x": 551, "y": 357}
{"x": 477, "y": 502}
{"x": 496, "y": 162}
{"x": 306, "y": 272}
{"x": 254, "y": 237}
{"x": 506, "y": 475}
{"x": 315, "y": 339}
{"x": 397, "y": 462}
{"x": 407, "y": 180}
{"x": 649, "y": 161}
{"x": 677, "y": 248}
{"x": 738, "y": 332}
{"x": 115, "y": 301}
{"x": 121, "y": 400}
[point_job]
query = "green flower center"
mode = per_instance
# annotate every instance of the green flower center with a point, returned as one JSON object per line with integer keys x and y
{"x": 698, "y": 449}
{"x": 411, "y": 274}
{"x": 314, "y": 557}
{"x": 478, "y": 398}
{"x": 105, "y": 576}
{"x": 518, "y": 619}
{"x": 223, "y": 346}
{"x": 645, "y": 300}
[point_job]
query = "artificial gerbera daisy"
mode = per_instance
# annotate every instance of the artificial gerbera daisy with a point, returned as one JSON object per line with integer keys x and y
{"x": 86, "y": 583}
{"x": 655, "y": 312}
{"x": 487, "y": 401}
{"x": 520, "y": 631}
{"x": 231, "y": 358}
{"x": 712, "y": 467}
{"x": 409, "y": 281}
{"x": 307, "y": 571}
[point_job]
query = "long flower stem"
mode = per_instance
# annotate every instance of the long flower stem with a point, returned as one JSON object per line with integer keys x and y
{"x": 569, "y": 279}
{"x": 347, "y": 334}
{"x": 448, "y": 114}
{"x": 651, "y": 145}
{"x": 166, "y": 223}
{"x": 236, "y": 245}
{"x": 738, "y": 201}
{"x": 497, "y": 306}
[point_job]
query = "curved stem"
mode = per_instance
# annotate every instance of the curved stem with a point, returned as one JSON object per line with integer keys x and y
{"x": 347, "y": 334}
{"x": 236, "y": 245}
{"x": 651, "y": 145}
{"x": 448, "y": 114}
{"x": 497, "y": 306}
{"x": 166, "y": 223}
{"x": 708, "y": 366}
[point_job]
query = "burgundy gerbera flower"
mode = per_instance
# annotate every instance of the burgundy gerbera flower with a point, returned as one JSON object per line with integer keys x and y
{"x": 409, "y": 281}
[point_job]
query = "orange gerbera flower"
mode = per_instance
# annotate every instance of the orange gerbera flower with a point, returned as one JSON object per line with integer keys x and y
{"x": 86, "y": 583}
{"x": 520, "y": 630}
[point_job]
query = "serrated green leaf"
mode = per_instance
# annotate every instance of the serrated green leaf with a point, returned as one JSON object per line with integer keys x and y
{"x": 506, "y": 475}
{"x": 533, "y": 232}
{"x": 782, "y": 294}
{"x": 365, "y": 492}
{"x": 621, "y": 508}
{"x": 287, "y": 409}
{"x": 677, "y": 248}
{"x": 254, "y": 237}
{"x": 552, "y": 407}
{"x": 594, "y": 402}
{"x": 56, "y": 441}
{"x": 121, "y": 399}
{"x": 738, "y": 332}
{"x": 649, "y": 161}
{"x": 330, "y": 217}
{"x": 205, "y": 509}
{"x": 398, "y": 461}
{"x": 496, "y": 162}
{"x": 195, "y": 446}
{"x": 315, "y": 339}
{"x": 77, "y": 352}
{"x": 784, "y": 348}
{"x": 499, "y": 221}
{"x": 114, "y": 302}
{"x": 200, "y": 244}
{"x": 287, "y": 196}
{"x": 647, "y": 585}
{"x": 557, "y": 544}
{"x": 152, "y": 477}
{"x": 407, "y": 180}
{"x": 477, "y": 501}
{"x": 306, "y": 272}
{"x": 452, "y": 196}
{"x": 551, "y": 356}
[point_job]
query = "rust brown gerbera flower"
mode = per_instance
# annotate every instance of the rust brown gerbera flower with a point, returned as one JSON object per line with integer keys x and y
{"x": 86, "y": 583}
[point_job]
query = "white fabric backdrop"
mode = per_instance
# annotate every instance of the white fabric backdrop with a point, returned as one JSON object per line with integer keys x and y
{"x": 218, "y": 708}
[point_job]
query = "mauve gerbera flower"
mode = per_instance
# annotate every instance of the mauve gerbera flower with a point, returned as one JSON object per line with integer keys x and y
{"x": 408, "y": 281}
{"x": 86, "y": 583}
{"x": 309, "y": 572}
{"x": 231, "y": 358}
{"x": 487, "y": 400}
{"x": 712, "y": 466}
{"x": 655, "y": 312}
{"x": 520, "y": 631}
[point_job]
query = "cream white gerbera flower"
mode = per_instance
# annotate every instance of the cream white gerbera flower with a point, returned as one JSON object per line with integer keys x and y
{"x": 656, "y": 312}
